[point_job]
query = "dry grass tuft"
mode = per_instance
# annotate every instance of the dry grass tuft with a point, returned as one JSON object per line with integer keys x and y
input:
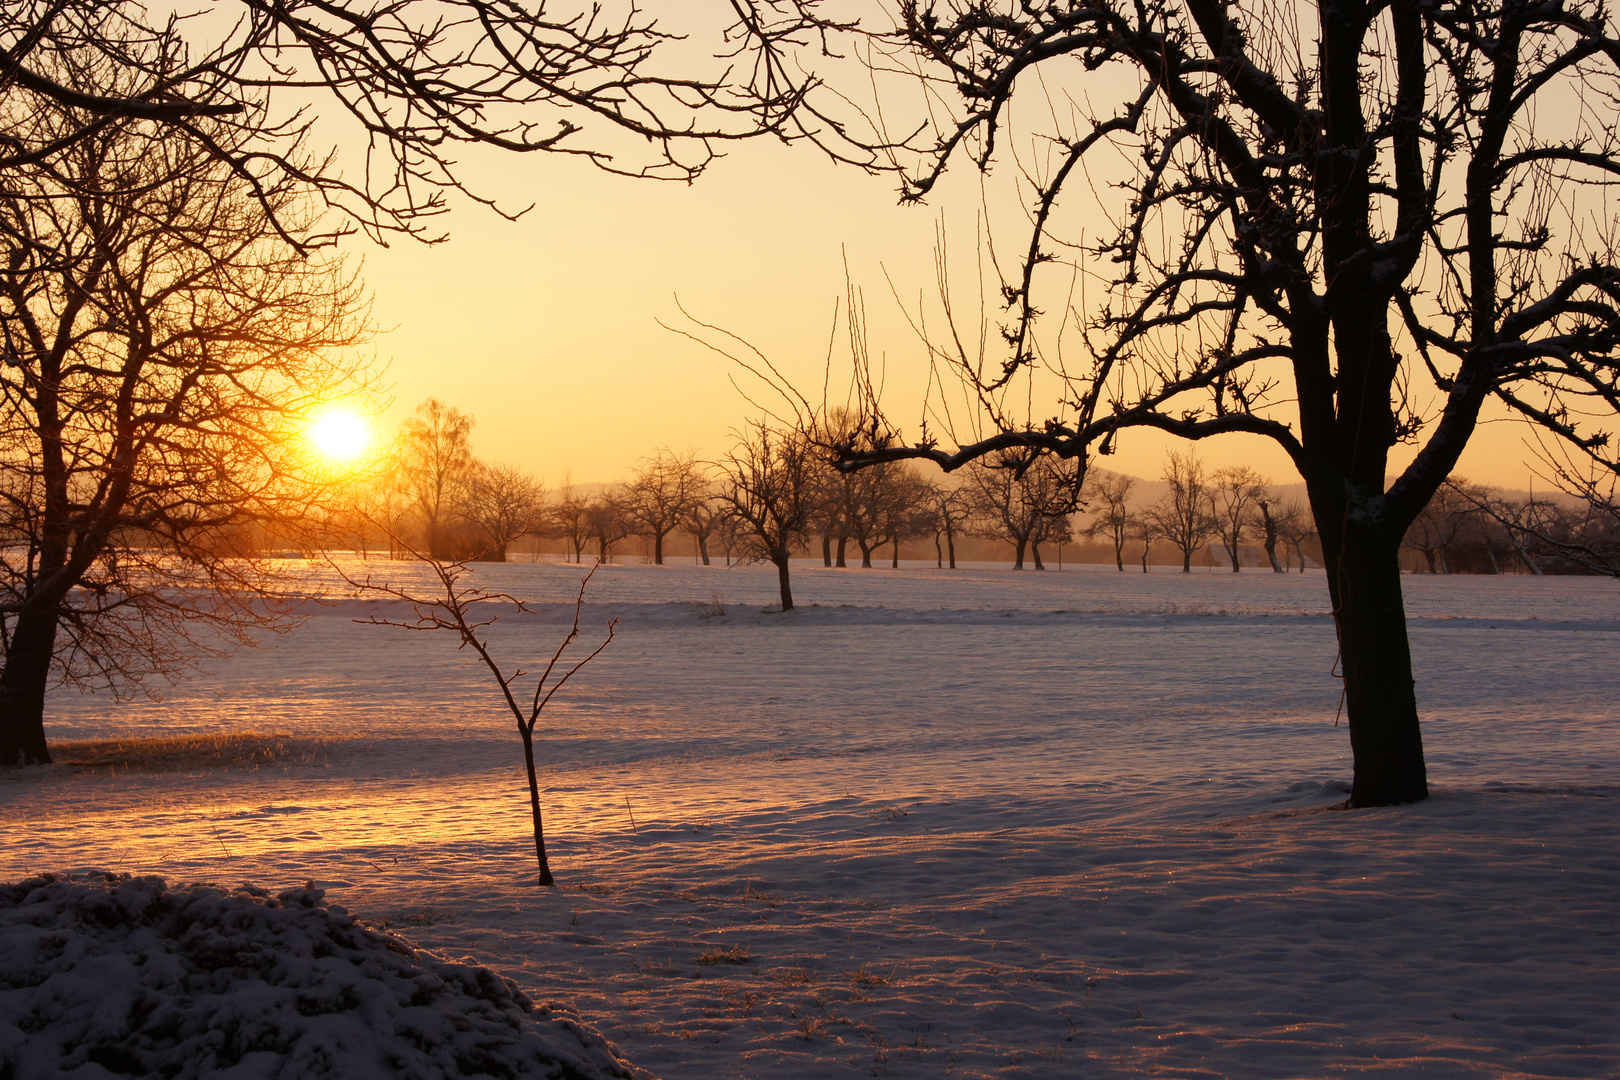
{"x": 863, "y": 976}
{"x": 734, "y": 955}
{"x": 184, "y": 753}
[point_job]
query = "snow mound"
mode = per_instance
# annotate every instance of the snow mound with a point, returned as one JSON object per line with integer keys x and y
{"x": 118, "y": 975}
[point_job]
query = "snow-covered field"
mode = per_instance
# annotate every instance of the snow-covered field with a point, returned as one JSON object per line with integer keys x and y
{"x": 979, "y": 823}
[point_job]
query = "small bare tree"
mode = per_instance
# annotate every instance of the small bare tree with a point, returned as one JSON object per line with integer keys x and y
{"x": 1184, "y": 516}
{"x": 1113, "y": 519}
{"x": 1024, "y": 502}
{"x": 660, "y": 497}
{"x": 702, "y": 518}
{"x": 951, "y": 509}
{"x": 768, "y": 486}
{"x": 1234, "y": 492}
{"x": 570, "y": 518}
{"x": 1270, "y": 518}
{"x": 606, "y": 523}
{"x": 458, "y": 608}
{"x": 502, "y": 503}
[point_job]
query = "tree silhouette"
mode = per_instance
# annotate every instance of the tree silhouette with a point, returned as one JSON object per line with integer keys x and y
{"x": 1314, "y": 210}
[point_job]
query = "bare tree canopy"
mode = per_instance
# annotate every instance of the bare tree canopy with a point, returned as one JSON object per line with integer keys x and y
{"x": 1337, "y": 225}
{"x": 631, "y": 92}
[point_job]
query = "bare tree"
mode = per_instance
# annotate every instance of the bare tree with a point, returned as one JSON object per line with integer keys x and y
{"x": 1113, "y": 518}
{"x": 435, "y": 465}
{"x": 950, "y": 511}
{"x": 607, "y": 523}
{"x": 1435, "y": 529}
{"x": 1294, "y": 524}
{"x": 1185, "y": 515}
{"x": 1274, "y": 522}
{"x": 1234, "y": 491}
{"x": 660, "y": 497}
{"x": 502, "y": 503}
{"x": 768, "y": 486}
{"x": 570, "y": 518}
{"x": 1336, "y": 225}
{"x": 702, "y": 517}
{"x": 459, "y": 609}
{"x": 162, "y": 349}
{"x": 1025, "y": 508}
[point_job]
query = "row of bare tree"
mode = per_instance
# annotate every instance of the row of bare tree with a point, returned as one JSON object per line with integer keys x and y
{"x": 439, "y": 498}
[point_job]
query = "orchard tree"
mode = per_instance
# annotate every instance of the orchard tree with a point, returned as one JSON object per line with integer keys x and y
{"x": 501, "y": 503}
{"x": 1113, "y": 518}
{"x": 164, "y": 346}
{"x": 569, "y": 517}
{"x": 1337, "y": 225}
{"x": 434, "y": 466}
{"x": 1024, "y": 508}
{"x": 1184, "y": 516}
{"x": 949, "y": 511}
{"x": 768, "y": 483}
{"x": 1234, "y": 493}
{"x": 660, "y": 497}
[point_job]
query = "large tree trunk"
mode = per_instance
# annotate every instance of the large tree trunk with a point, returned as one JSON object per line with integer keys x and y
{"x": 781, "y": 561}
{"x": 866, "y": 553}
{"x": 894, "y": 563}
{"x": 1018, "y": 561}
{"x": 22, "y": 691}
{"x": 843, "y": 543}
{"x": 826, "y": 550}
{"x": 1364, "y": 580}
{"x": 658, "y": 549}
{"x": 703, "y": 549}
{"x": 1186, "y": 560}
{"x": 1035, "y": 550}
{"x": 950, "y": 546}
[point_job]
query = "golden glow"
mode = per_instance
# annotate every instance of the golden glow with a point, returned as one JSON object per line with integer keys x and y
{"x": 341, "y": 434}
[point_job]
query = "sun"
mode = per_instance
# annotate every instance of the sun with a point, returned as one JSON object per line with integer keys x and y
{"x": 340, "y": 434}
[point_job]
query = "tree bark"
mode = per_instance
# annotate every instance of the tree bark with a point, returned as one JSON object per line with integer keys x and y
{"x": 950, "y": 546}
{"x": 1018, "y": 562}
{"x": 534, "y": 807}
{"x": 658, "y": 549}
{"x": 1364, "y": 580}
{"x": 843, "y": 542}
{"x": 781, "y": 561}
{"x": 826, "y": 550}
{"x": 1035, "y": 550}
{"x": 22, "y": 690}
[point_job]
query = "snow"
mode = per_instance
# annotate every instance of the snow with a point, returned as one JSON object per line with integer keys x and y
{"x": 106, "y": 975}
{"x": 974, "y": 824}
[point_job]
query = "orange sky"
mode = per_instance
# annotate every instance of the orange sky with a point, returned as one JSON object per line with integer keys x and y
{"x": 545, "y": 329}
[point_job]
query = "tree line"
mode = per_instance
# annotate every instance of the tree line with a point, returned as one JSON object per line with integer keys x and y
{"x": 776, "y": 494}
